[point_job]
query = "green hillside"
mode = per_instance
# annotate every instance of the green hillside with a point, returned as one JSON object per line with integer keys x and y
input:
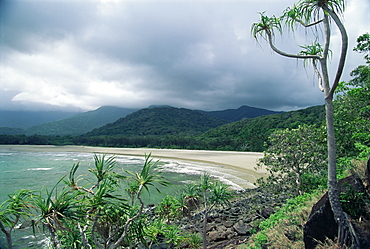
{"x": 80, "y": 123}
{"x": 251, "y": 134}
{"x": 169, "y": 127}
{"x": 160, "y": 121}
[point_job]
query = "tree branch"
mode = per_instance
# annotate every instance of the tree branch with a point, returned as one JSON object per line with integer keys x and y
{"x": 310, "y": 24}
{"x": 318, "y": 75}
{"x": 296, "y": 56}
{"x": 129, "y": 221}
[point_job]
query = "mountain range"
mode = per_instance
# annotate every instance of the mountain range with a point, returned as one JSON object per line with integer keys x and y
{"x": 163, "y": 120}
{"x": 159, "y": 117}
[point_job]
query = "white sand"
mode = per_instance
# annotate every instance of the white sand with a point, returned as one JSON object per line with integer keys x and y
{"x": 242, "y": 162}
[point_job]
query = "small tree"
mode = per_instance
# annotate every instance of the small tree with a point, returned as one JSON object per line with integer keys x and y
{"x": 12, "y": 211}
{"x": 55, "y": 209}
{"x": 293, "y": 154}
{"x": 317, "y": 15}
{"x": 95, "y": 215}
{"x": 209, "y": 193}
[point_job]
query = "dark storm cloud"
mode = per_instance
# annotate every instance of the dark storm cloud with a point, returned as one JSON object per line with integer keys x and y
{"x": 195, "y": 54}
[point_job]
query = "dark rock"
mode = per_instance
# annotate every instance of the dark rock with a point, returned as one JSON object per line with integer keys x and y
{"x": 321, "y": 224}
{"x": 266, "y": 212}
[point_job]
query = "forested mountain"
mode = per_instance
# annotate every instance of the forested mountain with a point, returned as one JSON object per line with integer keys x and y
{"x": 24, "y": 119}
{"x": 162, "y": 120}
{"x": 251, "y": 134}
{"x": 80, "y": 123}
{"x": 240, "y": 113}
{"x": 170, "y": 127}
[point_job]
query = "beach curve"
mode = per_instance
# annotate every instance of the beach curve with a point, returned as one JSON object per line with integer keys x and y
{"x": 242, "y": 163}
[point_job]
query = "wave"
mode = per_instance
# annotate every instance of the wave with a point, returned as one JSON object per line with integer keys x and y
{"x": 225, "y": 175}
{"x": 40, "y": 169}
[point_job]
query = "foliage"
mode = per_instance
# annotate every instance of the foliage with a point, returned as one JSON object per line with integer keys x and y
{"x": 160, "y": 121}
{"x": 209, "y": 193}
{"x": 245, "y": 135}
{"x": 169, "y": 208}
{"x": 55, "y": 209}
{"x": 353, "y": 108}
{"x": 363, "y": 46}
{"x": 194, "y": 240}
{"x": 93, "y": 215}
{"x": 251, "y": 134}
{"x": 292, "y": 156}
{"x": 12, "y": 211}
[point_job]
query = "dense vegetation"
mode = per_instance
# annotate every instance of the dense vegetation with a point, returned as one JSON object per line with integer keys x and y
{"x": 160, "y": 121}
{"x": 181, "y": 128}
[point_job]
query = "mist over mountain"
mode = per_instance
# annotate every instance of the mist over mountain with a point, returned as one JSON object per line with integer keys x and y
{"x": 62, "y": 123}
{"x": 25, "y": 119}
{"x": 80, "y": 123}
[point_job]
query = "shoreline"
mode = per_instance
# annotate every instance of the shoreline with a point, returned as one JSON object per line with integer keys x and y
{"x": 241, "y": 162}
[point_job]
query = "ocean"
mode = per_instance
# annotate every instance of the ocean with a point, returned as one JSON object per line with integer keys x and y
{"x": 37, "y": 170}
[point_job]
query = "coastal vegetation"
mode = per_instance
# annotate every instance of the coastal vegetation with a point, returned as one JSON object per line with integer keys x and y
{"x": 103, "y": 208}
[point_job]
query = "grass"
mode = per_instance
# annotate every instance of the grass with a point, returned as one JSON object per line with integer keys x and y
{"x": 284, "y": 229}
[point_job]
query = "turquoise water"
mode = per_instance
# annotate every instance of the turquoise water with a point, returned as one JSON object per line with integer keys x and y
{"x": 37, "y": 170}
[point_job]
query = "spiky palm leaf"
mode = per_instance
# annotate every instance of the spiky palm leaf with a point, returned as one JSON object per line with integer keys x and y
{"x": 266, "y": 26}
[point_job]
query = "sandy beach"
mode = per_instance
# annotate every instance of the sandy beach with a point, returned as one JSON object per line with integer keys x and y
{"x": 242, "y": 162}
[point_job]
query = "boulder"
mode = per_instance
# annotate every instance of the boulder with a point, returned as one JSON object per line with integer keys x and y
{"x": 228, "y": 223}
{"x": 221, "y": 233}
{"x": 266, "y": 212}
{"x": 321, "y": 224}
{"x": 241, "y": 228}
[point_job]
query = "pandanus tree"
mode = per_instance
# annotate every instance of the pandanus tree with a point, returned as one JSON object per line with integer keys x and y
{"x": 12, "y": 211}
{"x": 319, "y": 16}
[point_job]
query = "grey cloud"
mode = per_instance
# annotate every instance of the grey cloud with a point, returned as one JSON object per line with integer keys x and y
{"x": 189, "y": 54}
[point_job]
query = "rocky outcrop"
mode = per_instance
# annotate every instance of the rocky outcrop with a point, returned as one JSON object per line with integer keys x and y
{"x": 321, "y": 224}
{"x": 232, "y": 225}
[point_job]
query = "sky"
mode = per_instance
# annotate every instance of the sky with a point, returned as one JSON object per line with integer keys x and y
{"x": 78, "y": 55}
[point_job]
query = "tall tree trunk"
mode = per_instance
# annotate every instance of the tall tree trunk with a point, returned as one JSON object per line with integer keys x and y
{"x": 333, "y": 192}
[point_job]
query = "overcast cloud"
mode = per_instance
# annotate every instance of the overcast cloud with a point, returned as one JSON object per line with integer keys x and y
{"x": 74, "y": 55}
